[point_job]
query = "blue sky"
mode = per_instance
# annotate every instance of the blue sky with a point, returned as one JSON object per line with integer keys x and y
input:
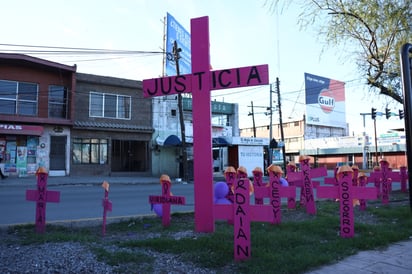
{"x": 242, "y": 33}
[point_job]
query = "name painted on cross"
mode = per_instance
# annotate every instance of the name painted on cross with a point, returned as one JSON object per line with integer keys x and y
{"x": 170, "y": 200}
{"x": 219, "y": 79}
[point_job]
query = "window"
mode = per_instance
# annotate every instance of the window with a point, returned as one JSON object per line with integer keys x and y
{"x": 57, "y": 102}
{"x": 107, "y": 105}
{"x": 89, "y": 151}
{"x": 18, "y": 98}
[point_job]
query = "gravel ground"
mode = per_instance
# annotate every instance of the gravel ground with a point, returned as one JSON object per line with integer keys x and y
{"x": 74, "y": 257}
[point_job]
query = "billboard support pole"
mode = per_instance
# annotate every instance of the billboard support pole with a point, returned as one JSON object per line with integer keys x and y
{"x": 282, "y": 136}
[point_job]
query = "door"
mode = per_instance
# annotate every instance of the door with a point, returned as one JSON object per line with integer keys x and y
{"x": 129, "y": 156}
{"x": 58, "y": 152}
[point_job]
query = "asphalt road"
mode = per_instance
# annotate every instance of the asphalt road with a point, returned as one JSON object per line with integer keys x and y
{"x": 82, "y": 202}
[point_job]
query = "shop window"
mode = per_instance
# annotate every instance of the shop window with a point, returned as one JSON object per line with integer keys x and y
{"x": 107, "y": 105}
{"x": 58, "y": 102}
{"x": 89, "y": 151}
{"x": 18, "y": 98}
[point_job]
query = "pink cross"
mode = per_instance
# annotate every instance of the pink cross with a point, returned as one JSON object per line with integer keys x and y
{"x": 166, "y": 199}
{"x": 362, "y": 182}
{"x": 304, "y": 179}
{"x": 346, "y": 192}
{"x": 258, "y": 182}
{"x": 42, "y": 196}
{"x": 275, "y": 192}
{"x": 230, "y": 177}
{"x": 200, "y": 83}
{"x": 242, "y": 213}
{"x": 383, "y": 179}
{"x": 107, "y": 205}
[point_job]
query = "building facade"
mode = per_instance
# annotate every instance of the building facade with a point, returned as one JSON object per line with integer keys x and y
{"x": 330, "y": 146}
{"x": 71, "y": 123}
{"x": 36, "y": 114}
{"x": 112, "y": 127}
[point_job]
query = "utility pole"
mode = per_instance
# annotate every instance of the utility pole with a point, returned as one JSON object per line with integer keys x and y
{"x": 183, "y": 160}
{"x": 270, "y": 158}
{"x": 282, "y": 136}
{"x": 253, "y": 119}
{"x": 365, "y": 147}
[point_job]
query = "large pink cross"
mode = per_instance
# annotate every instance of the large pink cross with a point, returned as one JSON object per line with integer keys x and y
{"x": 346, "y": 192}
{"x": 166, "y": 199}
{"x": 241, "y": 213}
{"x": 41, "y": 196}
{"x": 304, "y": 179}
{"x": 200, "y": 83}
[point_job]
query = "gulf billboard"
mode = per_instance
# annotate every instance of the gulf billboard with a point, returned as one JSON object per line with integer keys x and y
{"x": 325, "y": 101}
{"x": 176, "y": 32}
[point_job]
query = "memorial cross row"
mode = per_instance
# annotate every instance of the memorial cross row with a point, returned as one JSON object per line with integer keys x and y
{"x": 41, "y": 196}
{"x": 200, "y": 83}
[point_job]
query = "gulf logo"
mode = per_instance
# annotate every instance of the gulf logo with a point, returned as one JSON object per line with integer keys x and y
{"x": 326, "y": 100}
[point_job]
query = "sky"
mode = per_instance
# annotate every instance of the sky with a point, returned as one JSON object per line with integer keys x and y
{"x": 242, "y": 33}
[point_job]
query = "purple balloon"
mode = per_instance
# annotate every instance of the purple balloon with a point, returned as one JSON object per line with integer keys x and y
{"x": 283, "y": 182}
{"x": 221, "y": 189}
{"x": 158, "y": 209}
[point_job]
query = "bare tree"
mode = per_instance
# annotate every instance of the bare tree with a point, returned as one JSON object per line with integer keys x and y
{"x": 372, "y": 30}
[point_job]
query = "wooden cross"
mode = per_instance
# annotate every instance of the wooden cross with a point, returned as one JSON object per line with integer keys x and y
{"x": 166, "y": 199}
{"x": 258, "y": 182}
{"x": 41, "y": 196}
{"x": 383, "y": 179}
{"x": 107, "y": 205}
{"x": 362, "y": 182}
{"x": 230, "y": 178}
{"x": 200, "y": 83}
{"x": 304, "y": 179}
{"x": 241, "y": 213}
{"x": 346, "y": 192}
{"x": 275, "y": 192}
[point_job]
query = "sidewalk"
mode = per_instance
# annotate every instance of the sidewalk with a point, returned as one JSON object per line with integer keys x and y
{"x": 31, "y": 180}
{"x": 397, "y": 258}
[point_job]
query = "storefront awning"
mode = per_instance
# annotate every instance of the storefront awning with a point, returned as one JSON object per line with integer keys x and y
{"x": 171, "y": 140}
{"x": 21, "y": 129}
{"x": 219, "y": 142}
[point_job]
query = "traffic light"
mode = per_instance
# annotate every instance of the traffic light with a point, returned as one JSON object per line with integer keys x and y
{"x": 401, "y": 115}
{"x": 373, "y": 113}
{"x": 388, "y": 113}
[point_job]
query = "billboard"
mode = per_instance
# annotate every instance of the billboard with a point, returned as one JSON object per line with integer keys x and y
{"x": 176, "y": 32}
{"x": 325, "y": 101}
